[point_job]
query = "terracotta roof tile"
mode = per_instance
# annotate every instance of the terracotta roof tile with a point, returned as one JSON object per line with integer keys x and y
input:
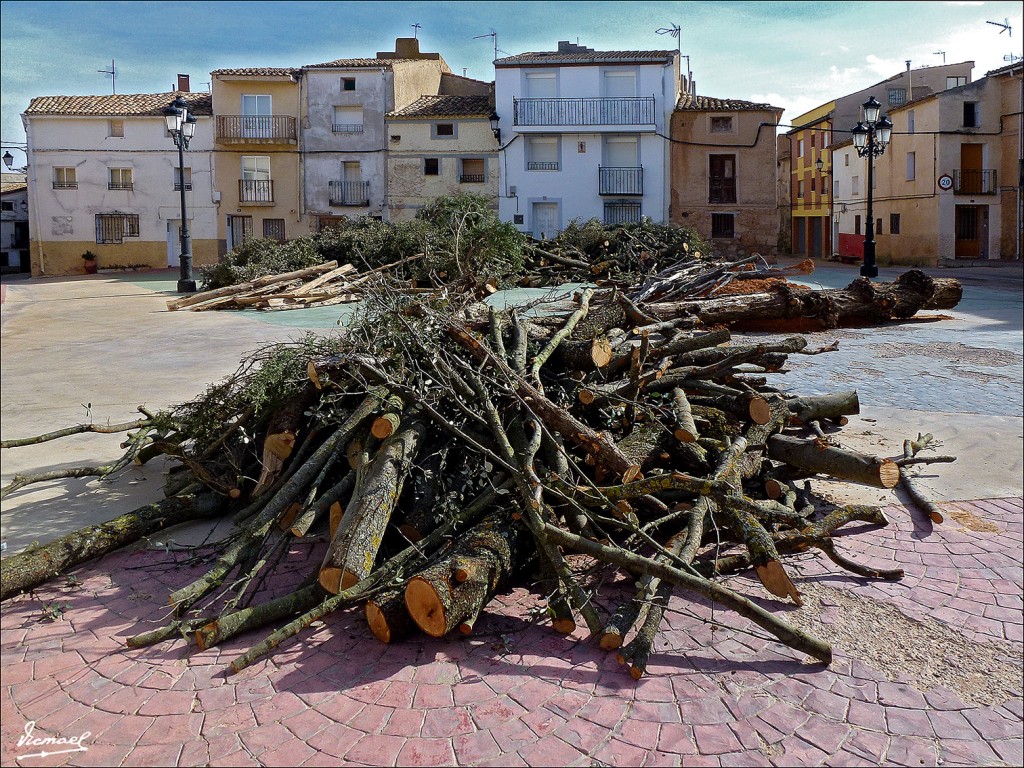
{"x": 711, "y": 104}
{"x": 118, "y": 105}
{"x": 586, "y": 57}
{"x": 446, "y": 106}
{"x": 15, "y": 186}
{"x": 257, "y": 71}
{"x": 358, "y": 63}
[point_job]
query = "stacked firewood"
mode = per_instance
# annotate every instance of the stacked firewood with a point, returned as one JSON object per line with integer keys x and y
{"x": 448, "y": 451}
{"x": 323, "y": 285}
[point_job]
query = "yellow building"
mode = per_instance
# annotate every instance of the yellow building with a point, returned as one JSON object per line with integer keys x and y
{"x": 440, "y": 145}
{"x": 258, "y": 166}
{"x": 809, "y": 189}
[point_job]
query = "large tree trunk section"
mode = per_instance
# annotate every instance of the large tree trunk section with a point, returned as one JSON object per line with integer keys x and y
{"x": 813, "y": 456}
{"x": 456, "y": 589}
{"x": 804, "y": 410}
{"x": 387, "y": 617}
{"x": 29, "y": 569}
{"x": 860, "y": 303}
{"x": 354, "y": 547}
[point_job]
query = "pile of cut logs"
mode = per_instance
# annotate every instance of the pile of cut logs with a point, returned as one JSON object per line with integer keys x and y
{"x": 323, "y": 285}
{"x": 447, "y": 453}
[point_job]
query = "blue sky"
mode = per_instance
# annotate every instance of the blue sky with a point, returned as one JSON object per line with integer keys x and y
{"x": 794, "y": 55}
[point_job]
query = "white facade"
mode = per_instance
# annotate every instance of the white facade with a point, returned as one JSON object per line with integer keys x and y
{"x": 343, "y": 140}
{"x": 584, "y": 135}
{"x": 14, "y": 224}
{"x": 86, "y": 166}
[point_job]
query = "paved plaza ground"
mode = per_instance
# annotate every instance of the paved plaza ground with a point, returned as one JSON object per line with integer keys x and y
{"x": 927, "y": 670}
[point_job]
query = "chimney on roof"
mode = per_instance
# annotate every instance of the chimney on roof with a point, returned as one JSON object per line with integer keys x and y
{"x": 407, "y": 48}
{"x": 183, "y": 83}
{"x": 564, "y": 46}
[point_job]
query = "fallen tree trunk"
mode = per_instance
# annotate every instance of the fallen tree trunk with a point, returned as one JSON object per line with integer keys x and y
{"x": 27, "y": 570}
{"x": 815, "y": 457}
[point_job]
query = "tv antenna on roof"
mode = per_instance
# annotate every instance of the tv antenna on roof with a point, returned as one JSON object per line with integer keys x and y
{"x": 113, "y": 74}
{"x": 674, "y": 31}
{"x": 494, "y": 36}
{"x": 415, "y": 30}
{"x": 940, "y": 53}
{"x": 1005, "y": 26}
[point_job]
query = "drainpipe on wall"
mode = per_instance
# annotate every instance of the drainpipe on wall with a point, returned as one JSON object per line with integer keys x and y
{"x": 300, "y": 167}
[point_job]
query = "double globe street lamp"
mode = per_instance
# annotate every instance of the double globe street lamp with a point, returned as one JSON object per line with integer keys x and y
{"x": 181, "y": 124}
{"x": 870, "y": 138}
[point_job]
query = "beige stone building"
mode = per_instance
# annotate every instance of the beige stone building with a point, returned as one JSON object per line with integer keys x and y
{"x": 258, "y": 164}
{"x": 946, "y": 189}
{"x": 724, "y": 172}
{"x": 440, "y": 145}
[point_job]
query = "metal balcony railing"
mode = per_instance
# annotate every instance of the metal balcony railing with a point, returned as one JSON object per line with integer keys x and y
{"x": 349, "y": 192}
{"x": 627, "y": 110}
{"x": 121, "y": 185}
{"x": 620, "y": 181}
{"x": 255, "y": 191}
{"x": 721, "y": 190}
{"x": 188, "y": 186}
{"x": 65, "y": 185}
{"x": 255, "y": 129}
{"x": 622, "y": 212}
{"x": 472, "y": 178}
{"x": 542, "y": 166}
{"x": 346, "y": 127}
{"x": 974, "y": 182}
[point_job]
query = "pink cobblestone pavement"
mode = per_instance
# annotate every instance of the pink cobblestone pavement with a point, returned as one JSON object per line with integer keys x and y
{"x": 516, "y": 693}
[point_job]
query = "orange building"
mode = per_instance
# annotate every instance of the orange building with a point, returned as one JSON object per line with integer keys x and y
{"x": 810, "y": 194}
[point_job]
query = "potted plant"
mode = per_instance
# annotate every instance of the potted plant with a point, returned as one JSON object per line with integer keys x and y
{"x": 90, "y": 263}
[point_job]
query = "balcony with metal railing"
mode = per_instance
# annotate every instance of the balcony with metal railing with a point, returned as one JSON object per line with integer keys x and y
{"x": 620, "y": 181}
{"x": 721, "y": 189}
{"x": 349, "y": 193}
{"x": 256, "y": 129}
{"x": 622, "y": 113}
{"x": 346, "y": 127}
{"x": 974, "y": 181}
{"x": 255, "y": 192}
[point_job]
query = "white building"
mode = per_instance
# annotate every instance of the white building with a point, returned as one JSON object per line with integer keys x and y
{"x": 584, "y": 135}
{"x": 103, "y": 177}
{"x": 344, "y": 140}
{"x": 14, "y": 224}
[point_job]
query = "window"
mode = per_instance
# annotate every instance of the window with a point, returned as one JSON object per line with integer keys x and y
{"x": 722, "y": 179}
{"x": 955, "y": 82}
{"x": 177, "y": 179}
{"x": 542, "y": 153}
{"x": 7, "y": 205}
{"x": 119, "y": 178}
{"x": 474, "y": 171}
{"x": 442, "y": 131}
{"x": 273, "y": 229}
{"x": 619, "y": 84}
{"x": 113, "y": 227}
{"x": 723, "y": 225}
{"x": 348, "y": 83}
{"x": 856, "y": 224}
{"x": 800, "y": 188}
{"x": 970, "y": 114}
{"x": 878, "y": 226}
{"x": 541, "y": 85}
{"x": 721, "y": 124}
{"x": 621, "y": 212}
{"x": 846, "y": 159}
{"x": 431, "y": 166}
{"x": 910, "y": 121}
{"x": 800, "y": 148}
{"x": 855, "y": 185}
{"x": 911, "y": 166}
{"x": 812, "y": 140}
{"x": 65, "y": 178}
{"x": 813, "y": 185}
{"x": 115, "y": 129}
{"x": 347, "y": 120}
{"x": 255, "y": 185}
{"x": 897, "y": 96}
{"x": 894, "y": 223}
{"x": 257, "y": 116}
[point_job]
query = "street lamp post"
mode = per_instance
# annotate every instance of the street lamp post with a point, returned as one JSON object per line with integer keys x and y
{"x": 182, "y": 125}
{"x": 870, "y": 138}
